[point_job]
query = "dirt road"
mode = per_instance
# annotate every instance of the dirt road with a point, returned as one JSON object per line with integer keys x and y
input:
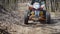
{"x": 14, "y": 24}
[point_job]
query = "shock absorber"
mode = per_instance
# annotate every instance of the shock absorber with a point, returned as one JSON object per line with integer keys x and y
{"x": 32, "y": 13}
{"x": 41, "y": 13}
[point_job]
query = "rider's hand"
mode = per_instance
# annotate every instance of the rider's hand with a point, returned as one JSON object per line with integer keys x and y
{"x": 42, "y": 6}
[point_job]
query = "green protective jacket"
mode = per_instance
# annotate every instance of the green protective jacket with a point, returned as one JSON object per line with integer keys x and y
{"x": 40, "y": 1}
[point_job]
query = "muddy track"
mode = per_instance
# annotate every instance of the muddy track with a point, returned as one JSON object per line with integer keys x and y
{"x": 3, "y": 32}
{"x": 15, "y": 25}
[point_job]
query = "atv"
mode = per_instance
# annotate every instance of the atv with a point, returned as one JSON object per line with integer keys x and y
{"x": 36, "y": 13}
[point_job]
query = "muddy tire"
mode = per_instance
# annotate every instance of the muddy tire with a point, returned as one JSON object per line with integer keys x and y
{"x": 26, "y": 17}
{"x": 26, "y": 20}
{"x": 48, "y": 18}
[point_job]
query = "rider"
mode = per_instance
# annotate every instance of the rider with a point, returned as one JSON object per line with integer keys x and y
{"x": 35, "y": 1}
{"x": 42, "y": 3}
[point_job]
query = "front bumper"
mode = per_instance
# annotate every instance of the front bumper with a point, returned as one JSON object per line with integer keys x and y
{"x": 38, "y": 18}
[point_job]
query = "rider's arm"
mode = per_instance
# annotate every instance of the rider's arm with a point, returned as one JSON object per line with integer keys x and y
{"x": 42, "y": 4}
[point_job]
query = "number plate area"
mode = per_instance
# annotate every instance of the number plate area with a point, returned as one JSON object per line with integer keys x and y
{"x": 33, "y": 15}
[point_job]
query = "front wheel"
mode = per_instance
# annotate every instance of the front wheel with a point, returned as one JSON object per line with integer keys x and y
{"x": 26, "y": 17}
{"x": 48, "y": 18}
{"x": 26, "y": 20}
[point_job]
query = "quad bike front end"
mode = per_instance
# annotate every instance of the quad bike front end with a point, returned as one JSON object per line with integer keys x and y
{"x": 36, "y": 13}
{"x": 36, "y": 16}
